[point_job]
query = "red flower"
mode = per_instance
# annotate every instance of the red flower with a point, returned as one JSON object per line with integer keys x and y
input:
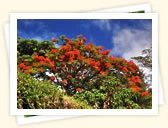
{"x": 52, "y": 78}
{"x": 42, "y": 62}
{"x": 69, "y": 76}
{"x": 136, "y": 79}
{"x": 27, "y": 67}
{"x": 131, "y": 63}
{"x": 119, "y": 67}
{"x": 35, "y": 64}
{"x": 76, "y": 52}
{"x": 146, "y": 93}
{"x": 62, "y": 57}
{"x": 64, "y": 82}
{"x": 103, "y": 73}
{"x": 136, "y": 89}
{"x": 93, "y": 63}
{"x": 47, "y": 60}
{"x": 131, "y": 69}
{"x": 69, "y": 54}
{"x": 125, "y": 69}
{"x": 66, "y": 47}
{"x": 106, "y": 52}
{"x": 107, "y": 65}
{"x": 87, "y": 61}
{"x": 35, "y": 57}
{"x": 80, "y": 57}
{"x": 53, "y": 51}
{"x": 78, "y": 89}
{"x": 72, "y": 54}
{"x": 89, "y": 46}
{"x": 112, "y": 58}
{"x": 97, "y": 68}
{"x": 71, "y": 59}
{"x": 22, "y": 65}
{"x": 51, "y": 63}
{"x": 41, "y": 58}
{"x": 132, "y": 66}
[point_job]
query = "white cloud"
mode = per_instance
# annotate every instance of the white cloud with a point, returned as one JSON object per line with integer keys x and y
{"x": 130, "y": 42}
{"x": 37, "y": 38}
{"x": 103, "y": 24}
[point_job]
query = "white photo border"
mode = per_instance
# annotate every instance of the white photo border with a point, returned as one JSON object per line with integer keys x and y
{"x": 13, "y": 64}
{"x": 132, "y": 8}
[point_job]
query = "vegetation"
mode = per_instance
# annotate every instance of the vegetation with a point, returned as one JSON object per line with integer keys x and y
{"x": 77, "y": 74}
{"x": 32, "y": 93}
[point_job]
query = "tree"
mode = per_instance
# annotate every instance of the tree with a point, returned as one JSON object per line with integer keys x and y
{"x": 85, "y": 70}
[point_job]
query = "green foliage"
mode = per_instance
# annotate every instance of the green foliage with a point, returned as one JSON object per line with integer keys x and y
{"x": 35, "y": 94}
{"x": 28, "y": 47}
{"x": 125, "y": 98}
{"x": 112, "y": 95}
{"x": 121, "y": 98}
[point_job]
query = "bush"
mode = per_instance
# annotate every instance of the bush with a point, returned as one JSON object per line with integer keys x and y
{"x": 112, "y": 95}
{"x": 35, "y": 94}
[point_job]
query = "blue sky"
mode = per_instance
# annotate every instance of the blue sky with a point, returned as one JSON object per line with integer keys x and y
{"x": 124, "y": 37}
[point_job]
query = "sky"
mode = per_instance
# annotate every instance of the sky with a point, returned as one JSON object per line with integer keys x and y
{"x": 124, "y": 37}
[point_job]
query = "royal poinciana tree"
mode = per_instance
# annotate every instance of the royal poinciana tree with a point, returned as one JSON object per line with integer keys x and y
{"x": 83, "y": 69}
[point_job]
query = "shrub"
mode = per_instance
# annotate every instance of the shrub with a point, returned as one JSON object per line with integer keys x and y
{"x": 112, "y": 95}
{"x": 35, "y": 94}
